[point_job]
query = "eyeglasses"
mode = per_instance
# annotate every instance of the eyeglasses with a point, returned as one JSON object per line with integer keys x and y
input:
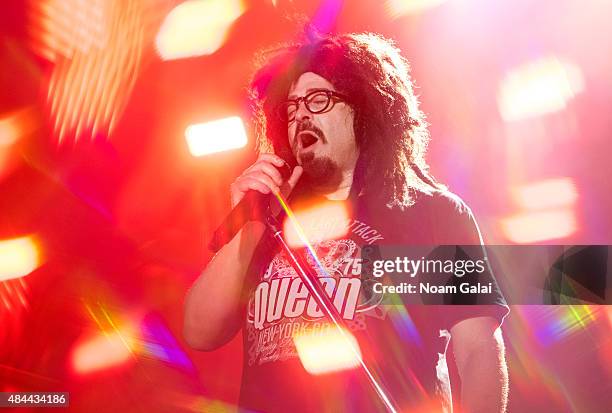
{"x": 317, "y": 101}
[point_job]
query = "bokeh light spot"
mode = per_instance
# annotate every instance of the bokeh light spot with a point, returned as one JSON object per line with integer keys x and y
{"x": 321, "y": 222}
{"x": 532, "y": 227}
{"x": 18, "y": 257}
{"x": 327, "y": 350}
{"x": 196, "y": 28}
{"x": 216, "y": 136}
{"x": 537, "y": 88}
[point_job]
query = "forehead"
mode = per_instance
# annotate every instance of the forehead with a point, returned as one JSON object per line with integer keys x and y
{"x": 307, "y": 82}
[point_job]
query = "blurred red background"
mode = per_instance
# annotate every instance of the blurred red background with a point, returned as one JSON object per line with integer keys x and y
{"x": 105, "y": 214}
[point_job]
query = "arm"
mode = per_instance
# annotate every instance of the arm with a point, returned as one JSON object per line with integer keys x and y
{"x": 215, "y": 304}
{"x": 478, "y": 347}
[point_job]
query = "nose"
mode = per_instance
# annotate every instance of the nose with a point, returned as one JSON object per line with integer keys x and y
{"x": 302, "y": 113}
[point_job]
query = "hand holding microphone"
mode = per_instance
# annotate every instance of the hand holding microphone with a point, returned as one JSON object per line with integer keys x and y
{"x": 251, "y": 195}
{"x": 268, "y": 175}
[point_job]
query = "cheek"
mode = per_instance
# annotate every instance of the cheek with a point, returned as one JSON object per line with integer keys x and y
{"x": 291, "y": 134}
{"x": 343, "y": 129}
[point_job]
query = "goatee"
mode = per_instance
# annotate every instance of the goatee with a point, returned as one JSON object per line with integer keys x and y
{"x": 321, "y": 172}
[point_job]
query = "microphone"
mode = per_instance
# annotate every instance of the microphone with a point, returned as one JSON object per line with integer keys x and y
{"x": 255, "y": 206}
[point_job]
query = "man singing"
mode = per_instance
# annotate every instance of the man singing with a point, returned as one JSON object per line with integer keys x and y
{"x": 344, "y": 106}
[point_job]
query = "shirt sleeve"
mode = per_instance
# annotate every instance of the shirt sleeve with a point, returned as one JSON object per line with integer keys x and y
{"x": 474, "y": 293}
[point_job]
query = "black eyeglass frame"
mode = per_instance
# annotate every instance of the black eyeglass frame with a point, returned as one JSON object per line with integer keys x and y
{"x": 332, "y": 98}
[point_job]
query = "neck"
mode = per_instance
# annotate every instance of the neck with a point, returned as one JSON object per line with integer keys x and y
{"x": 339, "y": 194}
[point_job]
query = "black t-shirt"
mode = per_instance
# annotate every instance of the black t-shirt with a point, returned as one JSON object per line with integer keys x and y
{"x": 404, "y": 345}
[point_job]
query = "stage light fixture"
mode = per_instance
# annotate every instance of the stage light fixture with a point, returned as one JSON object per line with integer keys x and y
{"x": 216, "y": 136}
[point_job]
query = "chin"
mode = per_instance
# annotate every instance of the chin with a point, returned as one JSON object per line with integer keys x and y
{"x": 322, "y": 172}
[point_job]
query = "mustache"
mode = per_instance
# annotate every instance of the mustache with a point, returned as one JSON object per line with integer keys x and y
{"x": 308, "y": 126}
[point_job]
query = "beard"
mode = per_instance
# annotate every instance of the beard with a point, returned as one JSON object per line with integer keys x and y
{"x": 321, "y": 172}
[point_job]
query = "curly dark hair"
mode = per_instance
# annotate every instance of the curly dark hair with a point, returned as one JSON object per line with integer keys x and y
{"x": 390, "y": 129}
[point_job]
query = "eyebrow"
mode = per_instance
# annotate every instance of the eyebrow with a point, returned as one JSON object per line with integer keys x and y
{"x": 309, "y": 90}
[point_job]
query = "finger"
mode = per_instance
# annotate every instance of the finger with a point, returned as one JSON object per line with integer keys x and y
{"x": 270, "y": 157}
{"x": 249, "y": 183}
{"x": 295, "y": 176}
{"x": 270, "y": 170}
{"x": 263, "y": 178}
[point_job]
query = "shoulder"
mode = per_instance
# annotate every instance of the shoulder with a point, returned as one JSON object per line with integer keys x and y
{"x": 451, "y": 219}
{"x": 441, "y": 202}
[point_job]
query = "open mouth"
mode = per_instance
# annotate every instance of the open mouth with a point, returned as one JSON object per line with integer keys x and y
{"x": 307, "y": 139}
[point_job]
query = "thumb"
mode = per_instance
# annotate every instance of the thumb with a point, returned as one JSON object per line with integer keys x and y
{"x": 286, "y": 188}
{"x": 292, "y": 181}
{"x": 295, "y": 176}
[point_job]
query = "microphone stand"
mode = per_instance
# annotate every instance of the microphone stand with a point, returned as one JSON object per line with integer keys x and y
{"x": 310, "y": 280}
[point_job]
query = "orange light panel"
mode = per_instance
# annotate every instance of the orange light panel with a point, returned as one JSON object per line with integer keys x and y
{"x": 18, "y": 257}
{"x": 531, "y": 227}
{"x": 196, "y": 28}
{"x": 537, "y": 88}
{"x": 322, "y": 222}
{"x": 327, "y": 350}
{"x": 550, "y": 193}
{"x": 216, "y": 136}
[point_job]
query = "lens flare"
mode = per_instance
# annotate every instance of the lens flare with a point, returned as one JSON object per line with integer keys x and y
{"x": 115, "y": 344}
{"x": 216, "y": 136}
{"x": 102, "y": 351}
{"x": 324, "y": 221}
{"x": 537, "y": 88}
{"x": 399, "y": 8}
{"x": 564, "y": 321}
{"x": 532, "y": 227}
{"x": 157, "y": 342}
{"x": 18, "y": 257}
{"x": 327, "y": 350}
{"x": 196, "y": 28}
{"x": 550, "y": 193}
{"x": 9, "y": 132}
